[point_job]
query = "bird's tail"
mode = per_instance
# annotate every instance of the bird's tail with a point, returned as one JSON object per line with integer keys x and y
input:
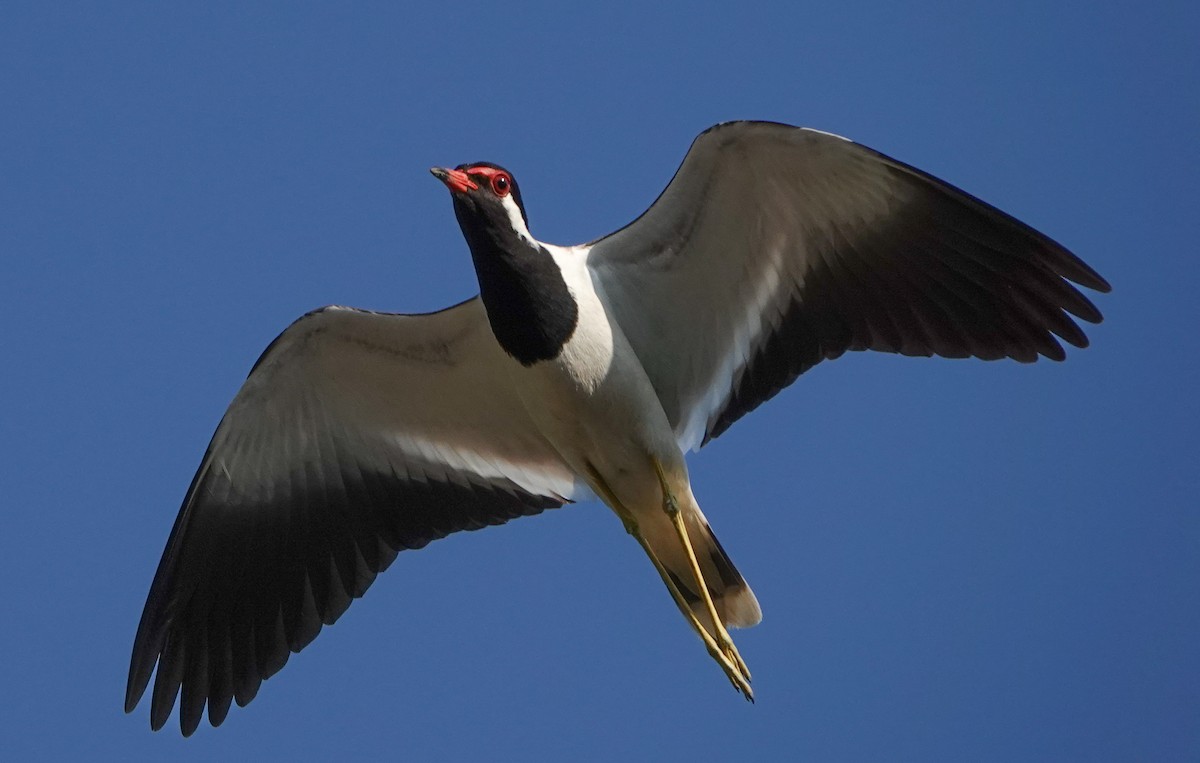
{"x": 735, "y": 602}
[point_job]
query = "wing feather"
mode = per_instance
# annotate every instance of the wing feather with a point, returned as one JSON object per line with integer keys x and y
{"x": 357, "y": 435}
{"x": 776, "y": 247}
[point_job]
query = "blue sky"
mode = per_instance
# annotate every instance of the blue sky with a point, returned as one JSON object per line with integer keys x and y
{"x": 956, "y": 560}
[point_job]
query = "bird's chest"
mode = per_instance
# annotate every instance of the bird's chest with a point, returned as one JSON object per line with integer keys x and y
{"x": 594, "y": 400}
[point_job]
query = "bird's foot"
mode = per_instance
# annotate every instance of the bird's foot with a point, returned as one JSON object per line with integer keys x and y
{"x": 735, "y": 668}
{"x": 731, "y": 652}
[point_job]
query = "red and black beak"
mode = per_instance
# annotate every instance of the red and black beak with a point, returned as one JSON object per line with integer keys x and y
{"x": 456, "y": 180}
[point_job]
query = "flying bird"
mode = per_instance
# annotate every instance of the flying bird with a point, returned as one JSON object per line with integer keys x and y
{"x": 577, "y": 372}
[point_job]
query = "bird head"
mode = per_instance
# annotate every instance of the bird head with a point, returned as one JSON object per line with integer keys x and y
{"x": 487, "y": 201}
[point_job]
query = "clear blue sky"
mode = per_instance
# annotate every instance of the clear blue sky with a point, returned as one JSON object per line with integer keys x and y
{"x": 956, "y": 560}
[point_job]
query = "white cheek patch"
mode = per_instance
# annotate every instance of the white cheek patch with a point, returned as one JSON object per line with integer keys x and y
{"x": 515, "y": 219}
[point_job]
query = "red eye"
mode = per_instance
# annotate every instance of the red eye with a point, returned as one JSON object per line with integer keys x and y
{"x": 501, "y": 184}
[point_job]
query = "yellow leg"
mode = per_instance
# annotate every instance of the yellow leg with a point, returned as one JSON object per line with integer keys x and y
{"x": 736, "y": 672}
{"x": 722, "y": 637}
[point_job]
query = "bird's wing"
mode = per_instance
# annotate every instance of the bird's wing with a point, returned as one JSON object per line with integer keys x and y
{"x": 776, "y": 247}
{"x": 356, "y": 435}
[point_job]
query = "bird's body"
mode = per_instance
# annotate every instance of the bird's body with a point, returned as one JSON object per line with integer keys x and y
{"x": 578, "y": 371}
{"x": 590, "y": 397}
{"x": 594, "y": 403}
{"x": 598, "y": 409}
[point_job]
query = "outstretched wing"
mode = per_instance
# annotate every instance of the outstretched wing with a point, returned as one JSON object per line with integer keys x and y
{"x": 356, "y": 435}
{"x": 776, "y": 247}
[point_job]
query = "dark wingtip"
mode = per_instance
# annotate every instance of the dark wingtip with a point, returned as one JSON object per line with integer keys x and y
{"x": 1083, "y": 274}
{"x": 139, "y": 678}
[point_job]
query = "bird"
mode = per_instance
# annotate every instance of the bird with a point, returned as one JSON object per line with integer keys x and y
{"x": 577, "y": 372}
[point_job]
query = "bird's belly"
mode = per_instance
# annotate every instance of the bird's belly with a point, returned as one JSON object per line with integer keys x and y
{"x": 596, "y": 406}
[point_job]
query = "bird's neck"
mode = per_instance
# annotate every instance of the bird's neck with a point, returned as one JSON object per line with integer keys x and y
{"x": 530, "y": 308}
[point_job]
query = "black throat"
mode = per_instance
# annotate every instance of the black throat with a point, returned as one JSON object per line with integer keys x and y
{"x": 531, "y": 311}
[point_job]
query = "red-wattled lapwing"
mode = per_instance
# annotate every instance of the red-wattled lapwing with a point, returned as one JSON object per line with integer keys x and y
{"x": 578, "y": 370}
